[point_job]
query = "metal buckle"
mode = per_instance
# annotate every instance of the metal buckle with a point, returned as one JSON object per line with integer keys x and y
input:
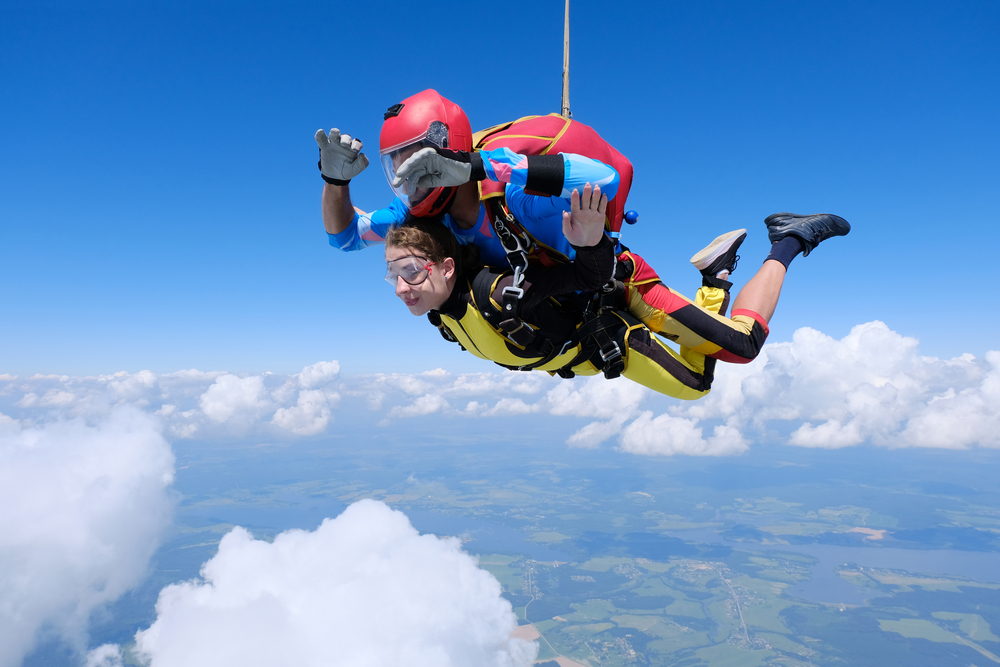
{"x": 516, "y": 291}
{"x": 612, "y": 355}
{"x": 519, "y": 271}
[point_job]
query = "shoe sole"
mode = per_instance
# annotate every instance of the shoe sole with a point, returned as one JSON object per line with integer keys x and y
{"x": 717, "y": 248}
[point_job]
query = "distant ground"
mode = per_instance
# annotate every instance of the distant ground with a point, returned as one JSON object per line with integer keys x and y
{"x": 781, "y": 557}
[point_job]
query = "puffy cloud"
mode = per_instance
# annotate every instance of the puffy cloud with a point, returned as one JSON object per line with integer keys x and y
{"x": 425, "y": 405}
{"x": 364, "y": 589}
{"x": 231, "y": 396}
{"x": 594, "y": 433}
{"x": 615, "y": 401}
{"x": 959, "y": 419}
{"x": 85, "y": 505}
{"x": 310, "y": 415}
{"x": 872, "y": 386}
{"x": 107, "y": 655}
{"x": 319, "y": 374}
{"x": 666, "y": 435}
{"x": 595, "y": 397}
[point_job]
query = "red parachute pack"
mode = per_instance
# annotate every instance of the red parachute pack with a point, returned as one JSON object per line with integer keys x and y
{"x": 543, "y": 135}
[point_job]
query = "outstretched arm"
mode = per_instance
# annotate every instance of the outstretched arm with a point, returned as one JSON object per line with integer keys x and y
{"x": 340, "y": 160}
{"x": 551, "y": 175}
{"x": 338, "y": 212}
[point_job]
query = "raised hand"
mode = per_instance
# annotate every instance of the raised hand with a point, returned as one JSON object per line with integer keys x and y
{"x": 434, "y": 168}
{"x": 583, "y": 224}
{"x": 340, "y": 157}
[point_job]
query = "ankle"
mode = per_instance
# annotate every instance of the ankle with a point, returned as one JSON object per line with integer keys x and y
{"x": 785, "y": 250}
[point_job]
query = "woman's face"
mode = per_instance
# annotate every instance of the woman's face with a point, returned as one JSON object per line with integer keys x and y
{"x": 432, "y": 291}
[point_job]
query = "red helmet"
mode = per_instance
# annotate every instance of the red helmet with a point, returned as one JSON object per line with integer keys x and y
{"x": 425, "y": 119}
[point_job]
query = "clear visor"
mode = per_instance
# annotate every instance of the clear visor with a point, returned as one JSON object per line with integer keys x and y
{"x": 412, "y": 269}
{"x": 436, "y": 136}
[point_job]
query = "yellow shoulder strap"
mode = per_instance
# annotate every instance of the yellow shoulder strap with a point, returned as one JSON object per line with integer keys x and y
{"x": 479, "y": 137}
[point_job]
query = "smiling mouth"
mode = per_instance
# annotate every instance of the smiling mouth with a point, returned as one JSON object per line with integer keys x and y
{"x": 411, "y": 302}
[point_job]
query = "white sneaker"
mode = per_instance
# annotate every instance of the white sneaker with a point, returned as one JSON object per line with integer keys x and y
{"x": 720, "y": 255}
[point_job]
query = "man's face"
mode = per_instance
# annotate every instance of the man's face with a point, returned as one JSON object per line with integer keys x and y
{"x": 398, "y": 158}
{"x": 432, "y": 290}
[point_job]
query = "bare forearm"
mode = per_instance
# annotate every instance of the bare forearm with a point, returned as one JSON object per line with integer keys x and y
{"x": 337, "y": 208}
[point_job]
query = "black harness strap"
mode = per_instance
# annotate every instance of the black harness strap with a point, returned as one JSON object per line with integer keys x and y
{"x": 517, "y": 243}
{"x": 606, "y": 329}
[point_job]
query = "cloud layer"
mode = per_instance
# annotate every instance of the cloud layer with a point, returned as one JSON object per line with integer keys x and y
{"x": 364, "y": 589}
{"x": 85, "y": 505}
{"x": 870, "y": 387}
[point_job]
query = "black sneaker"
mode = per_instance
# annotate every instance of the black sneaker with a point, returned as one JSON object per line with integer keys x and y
{"x": 719, "y": 255}
{"x": 810, "y": 229}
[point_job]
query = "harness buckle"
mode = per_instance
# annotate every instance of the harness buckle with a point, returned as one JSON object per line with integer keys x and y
{"x": 611, "y": 355}
{"x": 516, "y": 292}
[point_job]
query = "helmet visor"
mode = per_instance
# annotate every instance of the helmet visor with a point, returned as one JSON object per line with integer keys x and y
{"x": 435, "y": 136}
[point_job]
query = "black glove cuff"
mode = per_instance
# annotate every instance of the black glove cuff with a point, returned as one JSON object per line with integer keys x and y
{"x": 478, "y": 170}
{"x": 331, "y": 181}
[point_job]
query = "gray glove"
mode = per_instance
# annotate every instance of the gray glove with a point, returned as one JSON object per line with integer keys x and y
{"x": 439, "y": 167}
{"x": 340, "y": 158}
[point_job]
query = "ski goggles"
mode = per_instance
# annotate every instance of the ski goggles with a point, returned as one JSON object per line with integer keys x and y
{"x": 412, "y": 269}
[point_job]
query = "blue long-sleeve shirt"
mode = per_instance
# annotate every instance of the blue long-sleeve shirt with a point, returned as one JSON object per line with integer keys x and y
{"x": 541, "y": 216}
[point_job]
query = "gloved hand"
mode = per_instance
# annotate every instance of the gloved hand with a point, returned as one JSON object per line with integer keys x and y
{"x": 340, "y": 158}
{"x": 439, "y": 167}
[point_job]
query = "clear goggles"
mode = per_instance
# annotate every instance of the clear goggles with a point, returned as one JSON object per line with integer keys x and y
{"x": 436, "y": 136}
{"x": 412, "y": 269}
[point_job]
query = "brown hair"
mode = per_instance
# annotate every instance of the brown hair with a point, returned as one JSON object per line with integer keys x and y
{"x": 434, "y": 241}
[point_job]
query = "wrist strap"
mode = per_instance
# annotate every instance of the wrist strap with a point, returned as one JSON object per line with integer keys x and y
{"x": 331, "y": 181}
{"x": 478, "y": 170}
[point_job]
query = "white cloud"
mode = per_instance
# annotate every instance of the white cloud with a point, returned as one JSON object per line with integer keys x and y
{"x": 425, "y": 405}
{"x": 594, "y": 433}
{"x": 231, "y": 396}
{"x": 85, "y": 506}
{"x": 667, "y": 435}
{"x": 615, "y": 401}
{"x": 957, "y": 420}
{"x": 595, "y": 397}
{"x": 364, "y": 589}
{"x": 508, "y": 407}
{"x": 106, "y": 655}
{"x": 872, "y": 386}
{"x": 510, "y": 382}
{"x": 319, "y": 374}
{"x": 310, "y": 415}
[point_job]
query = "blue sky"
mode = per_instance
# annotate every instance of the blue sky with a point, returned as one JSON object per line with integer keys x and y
{"x": 159, "y": 200}
{"x": 159, "y": 209}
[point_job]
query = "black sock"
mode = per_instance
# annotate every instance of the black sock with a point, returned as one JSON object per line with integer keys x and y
{"x": 785, "y": 250}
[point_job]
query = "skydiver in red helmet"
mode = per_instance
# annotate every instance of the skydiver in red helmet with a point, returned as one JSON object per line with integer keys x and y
{"x": 428, "y": 120}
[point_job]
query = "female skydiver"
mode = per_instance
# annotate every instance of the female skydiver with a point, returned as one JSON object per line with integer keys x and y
{"x": 557, "y": 329}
